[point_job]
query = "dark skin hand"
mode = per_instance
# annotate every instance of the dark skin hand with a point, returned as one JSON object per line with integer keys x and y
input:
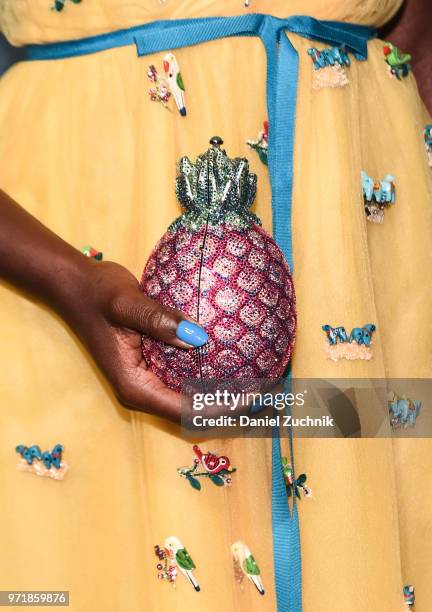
{"x": 100, "y": 301}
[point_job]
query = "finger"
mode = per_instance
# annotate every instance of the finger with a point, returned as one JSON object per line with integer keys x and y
{"x": 139, "y": 312}
{"x": 146, "y": 393}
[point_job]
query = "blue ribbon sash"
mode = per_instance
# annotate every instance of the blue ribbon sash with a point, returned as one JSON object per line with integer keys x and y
{"x": 282, "y": 76}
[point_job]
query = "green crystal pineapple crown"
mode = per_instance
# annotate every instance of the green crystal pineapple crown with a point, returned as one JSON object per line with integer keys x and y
{"x": 215, "y": 189}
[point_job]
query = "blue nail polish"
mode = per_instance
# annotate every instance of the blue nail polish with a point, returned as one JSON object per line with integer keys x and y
{"x": 191, "y": 333}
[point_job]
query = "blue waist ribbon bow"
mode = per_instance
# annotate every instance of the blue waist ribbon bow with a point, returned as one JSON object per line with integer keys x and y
{"x": 282, "y": 76}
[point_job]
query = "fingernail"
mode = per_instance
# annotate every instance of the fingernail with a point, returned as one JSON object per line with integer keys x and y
{"x": 191, "y": 333}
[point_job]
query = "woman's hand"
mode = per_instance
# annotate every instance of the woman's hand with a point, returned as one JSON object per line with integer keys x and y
{"x": 109, "y": 313}
{"x": 101, "y": 302}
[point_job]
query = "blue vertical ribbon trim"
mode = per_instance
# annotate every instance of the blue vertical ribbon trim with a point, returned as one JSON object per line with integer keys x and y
{"x": 282, "y": 74}
{"x": 286, "y": 536}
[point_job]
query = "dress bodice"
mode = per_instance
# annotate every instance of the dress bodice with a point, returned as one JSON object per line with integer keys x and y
{"x": 33, "y": 21}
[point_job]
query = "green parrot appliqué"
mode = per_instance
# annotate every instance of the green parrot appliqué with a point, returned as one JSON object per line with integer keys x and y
{"x": 396, "y": 57}
{"x": 184, "y": 560}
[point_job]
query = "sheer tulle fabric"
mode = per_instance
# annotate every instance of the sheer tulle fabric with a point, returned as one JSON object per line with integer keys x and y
{"x": 26, "y": 21}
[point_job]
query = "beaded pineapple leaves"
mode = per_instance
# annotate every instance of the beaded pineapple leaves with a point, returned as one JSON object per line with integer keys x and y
{"x": 215, "y": 187}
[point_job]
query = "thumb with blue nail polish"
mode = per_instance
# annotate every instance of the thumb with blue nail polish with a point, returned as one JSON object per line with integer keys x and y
{"x": 191, "y": 333}
{"x": 138, "y": 311}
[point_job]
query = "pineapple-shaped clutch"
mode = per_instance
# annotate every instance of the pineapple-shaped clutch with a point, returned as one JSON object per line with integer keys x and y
{"x": 218, "y": 265}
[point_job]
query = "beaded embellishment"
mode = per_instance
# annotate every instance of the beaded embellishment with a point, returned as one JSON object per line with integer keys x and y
{"x": 260, "y": 145}
{"x": 402, "y": 410}
{"x": 167, "y": 567}
{"x": 89, "y": 251}
{"x": 208, "y": 465}
{"x": 159, "y": 91}
{"x": 329, "y": 67}
{"x": 428, "y": 142}
{"x": 397, "y": 61}
{"x": 171, "y": 85}
{"x": 218, "y": 265}
{"x": 60, "y": 4}
{"x": 298, "y": 485}
{"x": 175, "y": 81}
{"x": 409, "y": 596}
{"x": 377, "y": 196}
{"x": 174, "y": 558}
{"x": 356, "y": 346}
{"x": 245, "y": 566}
{"x": 46, "y": 464}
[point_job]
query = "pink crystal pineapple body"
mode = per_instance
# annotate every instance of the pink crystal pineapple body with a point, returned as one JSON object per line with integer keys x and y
{"x": 218, "y": 265}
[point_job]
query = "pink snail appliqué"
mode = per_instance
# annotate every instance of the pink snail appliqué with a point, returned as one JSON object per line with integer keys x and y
{"x": 218, "y": 265}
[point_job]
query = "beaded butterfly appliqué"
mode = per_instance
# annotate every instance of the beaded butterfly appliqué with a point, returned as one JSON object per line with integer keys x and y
{"x": 48, "y": 464}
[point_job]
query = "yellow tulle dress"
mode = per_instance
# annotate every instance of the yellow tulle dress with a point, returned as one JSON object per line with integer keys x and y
{"x": 85, "y": 150}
